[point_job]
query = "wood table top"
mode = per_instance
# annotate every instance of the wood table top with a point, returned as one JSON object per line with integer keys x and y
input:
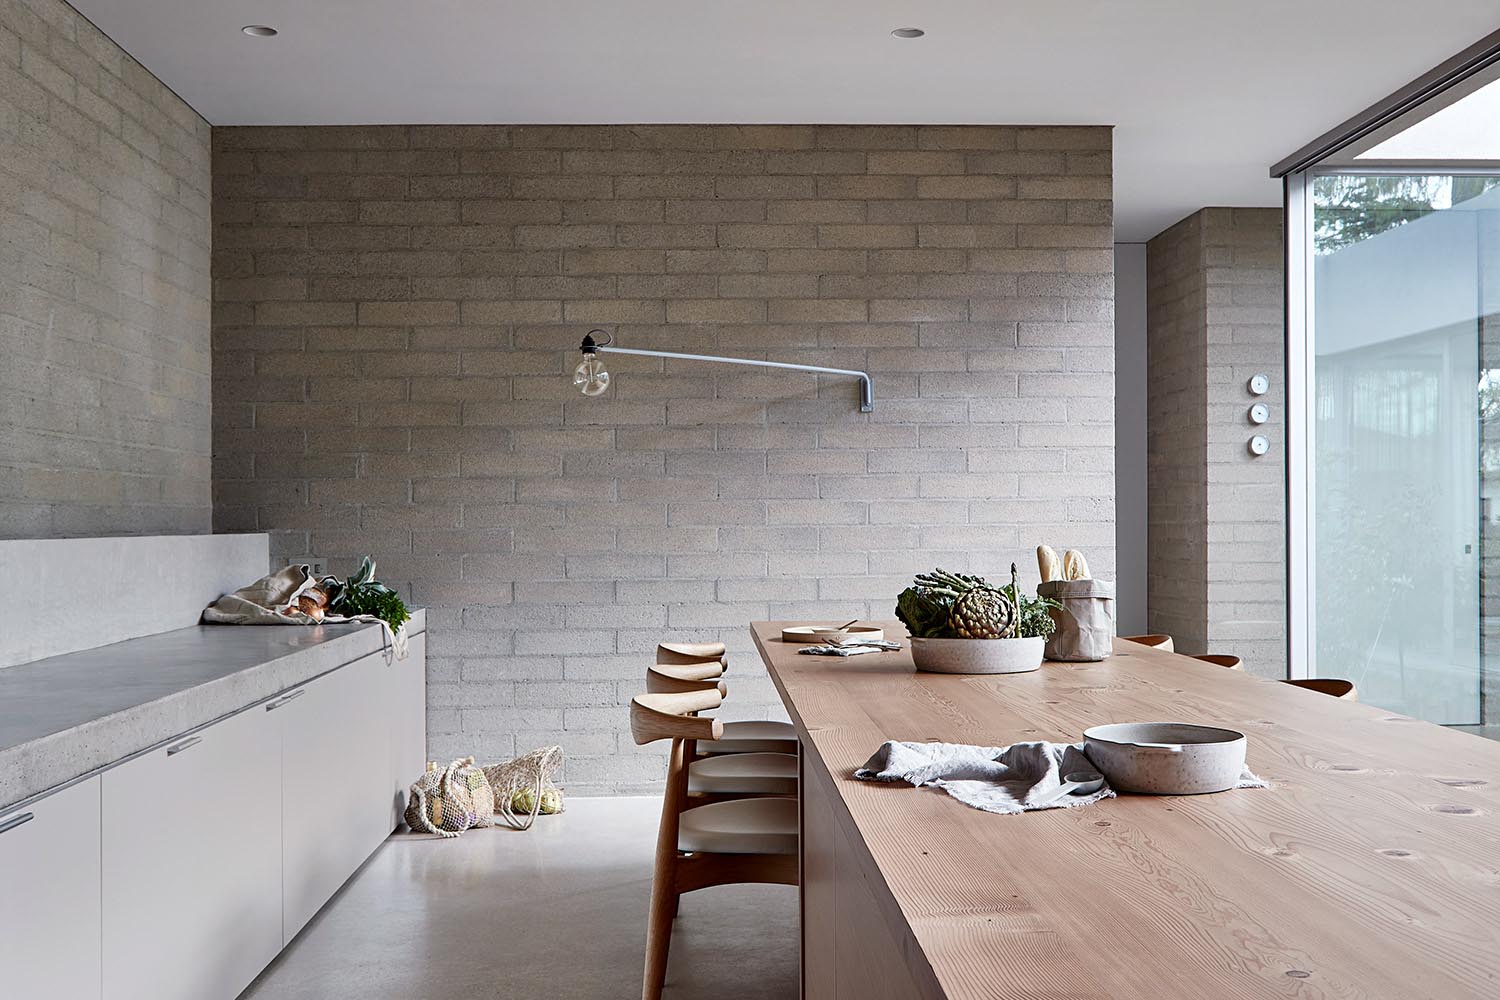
{"x": 1370, "y": 868}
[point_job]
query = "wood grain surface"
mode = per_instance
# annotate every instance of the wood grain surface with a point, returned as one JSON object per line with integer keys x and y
{"x": 1370, "y": 868}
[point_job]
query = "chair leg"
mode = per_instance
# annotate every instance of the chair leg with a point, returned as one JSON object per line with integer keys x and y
{"x": 664, "y": 889}
{"x": 664, "y": 899}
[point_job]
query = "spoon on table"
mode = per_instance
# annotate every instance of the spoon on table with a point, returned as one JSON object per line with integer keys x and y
{"x": 1074, "y": 783}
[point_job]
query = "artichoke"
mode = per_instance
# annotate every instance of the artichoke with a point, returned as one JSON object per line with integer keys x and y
{"x": 983, "y": 612}
{"x": 524, "y": 801}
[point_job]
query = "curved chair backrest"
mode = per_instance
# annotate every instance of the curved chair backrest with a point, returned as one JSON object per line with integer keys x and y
{"x": 692, "y": 652}
{"x": 668, "y": 716}
{"x": 1335, "y": 687}
{"x": 1161, "y": 642}
{"x": 1219, "y": 659}
{"x": 665, "y": 678}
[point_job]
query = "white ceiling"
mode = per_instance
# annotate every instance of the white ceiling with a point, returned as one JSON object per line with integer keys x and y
{"x": 1205, "y": 95}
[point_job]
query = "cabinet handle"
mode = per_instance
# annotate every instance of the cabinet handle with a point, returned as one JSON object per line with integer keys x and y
{"x": 186, "y": 744}
{"x": 273, "y": 706}
{"x": 16, "y": 821}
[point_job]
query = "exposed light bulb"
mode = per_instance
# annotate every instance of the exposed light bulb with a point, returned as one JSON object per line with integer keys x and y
{"x": 590, "y": 375}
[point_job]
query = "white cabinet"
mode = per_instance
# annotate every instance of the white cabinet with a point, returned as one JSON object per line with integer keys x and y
{"x": 180, "y": 874}
{"x": 49, "y": 896}
{"x": 407, "y": 690}
{"x": 191, "y": 864}
{"x": 335, "y": 782}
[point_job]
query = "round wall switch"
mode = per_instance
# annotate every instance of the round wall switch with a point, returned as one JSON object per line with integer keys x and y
{"x": 1259, "y": 385}
{"x": 1260, "y": 413}
{"x": 1259, "y": 445}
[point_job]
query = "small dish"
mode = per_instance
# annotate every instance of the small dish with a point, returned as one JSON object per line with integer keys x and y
{"x": 806, "y": 634}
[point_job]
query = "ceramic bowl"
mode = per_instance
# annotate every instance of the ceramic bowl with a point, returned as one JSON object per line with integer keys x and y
{"x": 978, "y": 656}
{"x": 1166, "y": 758}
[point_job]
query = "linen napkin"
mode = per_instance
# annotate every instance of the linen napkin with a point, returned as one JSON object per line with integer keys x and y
{"x": 1017, "y": 778}
{"x": 849, "y": 647}
{"x": 1012, "y": 779}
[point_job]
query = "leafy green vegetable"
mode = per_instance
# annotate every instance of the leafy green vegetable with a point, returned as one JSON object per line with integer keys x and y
{"x": 1034, "y": 619}
{"x": 362, "y": 594}
{"x": 924, "y": 613}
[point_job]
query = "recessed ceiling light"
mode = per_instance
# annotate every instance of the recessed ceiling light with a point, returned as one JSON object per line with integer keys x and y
{"x": 908, "y": 32}
{"x": 259, "y": 30}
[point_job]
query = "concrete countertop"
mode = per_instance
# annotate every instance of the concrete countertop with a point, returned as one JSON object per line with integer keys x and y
{"x": 65, "y": 716}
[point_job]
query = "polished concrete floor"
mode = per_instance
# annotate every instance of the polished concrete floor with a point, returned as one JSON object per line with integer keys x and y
{"x": 557, "y": 912}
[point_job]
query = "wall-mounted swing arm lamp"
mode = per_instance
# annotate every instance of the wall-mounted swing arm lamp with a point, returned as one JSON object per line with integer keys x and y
{"x": 593, "y": 379}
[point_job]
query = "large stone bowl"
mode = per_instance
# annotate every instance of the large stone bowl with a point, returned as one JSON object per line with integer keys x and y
{"x": 978, "y": 656}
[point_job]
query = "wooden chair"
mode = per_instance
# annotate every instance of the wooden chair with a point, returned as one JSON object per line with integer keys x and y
{"x": 1335, "y": 687}
{"x": 721, "y": 843}
{"x": 1219, "y": 659}
{"x": 684, "y": 666}
{"x": 1161, "y": 642}
{"x": 666, "y": 678}
{"x": 724, "y": 775}
{"x": 692, "y": 652}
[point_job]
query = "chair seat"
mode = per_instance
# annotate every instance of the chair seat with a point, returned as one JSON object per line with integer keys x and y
{"x": 741, "y": 826}
{"x": 1337, "y": 687}
{"x": 753, "y": 737}
{"x": 744, "y": 774}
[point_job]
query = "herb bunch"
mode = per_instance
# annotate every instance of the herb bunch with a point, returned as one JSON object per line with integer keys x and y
{"x": 362, "y": 594}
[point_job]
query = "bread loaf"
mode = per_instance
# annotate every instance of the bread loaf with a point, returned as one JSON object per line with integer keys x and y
{"x": 1047, "y": 563}
{"x": 1074, "y": 566}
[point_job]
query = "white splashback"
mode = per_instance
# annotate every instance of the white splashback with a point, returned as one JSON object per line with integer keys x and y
{"x": 60, "y": 595}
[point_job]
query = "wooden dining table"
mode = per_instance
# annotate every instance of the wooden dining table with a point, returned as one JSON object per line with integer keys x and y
{"x": 1369, "y": 868}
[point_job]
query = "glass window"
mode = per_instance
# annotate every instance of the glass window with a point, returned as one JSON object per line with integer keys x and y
{"x": 1404, "y": 393}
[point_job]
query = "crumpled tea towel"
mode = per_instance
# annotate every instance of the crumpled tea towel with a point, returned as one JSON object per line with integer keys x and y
{"x": 272, "y": 600}
{"x": 1013, "y": 779}
{"x": 1009, "y": 779}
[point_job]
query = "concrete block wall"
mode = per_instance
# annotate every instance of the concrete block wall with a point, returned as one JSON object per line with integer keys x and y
{"x": 398, "y": 311}
{"x": 1217, "y": 531}
{"x": 104, "y": 287}
{"x": 1244, "y": 269}
{"x": 1176, "y": 436}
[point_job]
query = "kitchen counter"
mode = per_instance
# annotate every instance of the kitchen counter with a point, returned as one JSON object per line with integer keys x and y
{"x": 65, "y": 716}
{"x": 1366, "y": 870}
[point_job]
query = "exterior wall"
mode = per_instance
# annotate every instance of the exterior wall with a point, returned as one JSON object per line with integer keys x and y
{"x": 104, "y": 287}
{"x": 1217, "y": 531}
{"x": 397, "y": 311}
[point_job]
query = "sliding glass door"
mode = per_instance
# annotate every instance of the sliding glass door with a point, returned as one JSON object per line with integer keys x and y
{"x": 1401, "y": 449}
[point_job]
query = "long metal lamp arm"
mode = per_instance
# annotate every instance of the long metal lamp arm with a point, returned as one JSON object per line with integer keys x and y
{"x": 866, "y": 382}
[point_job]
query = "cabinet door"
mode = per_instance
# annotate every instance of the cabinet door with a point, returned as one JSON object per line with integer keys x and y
{"x": 49, "y": 896}
{"x": 335, "y": 783}
{"x": 408, "y": 714}
{"x": 192, "y": 864}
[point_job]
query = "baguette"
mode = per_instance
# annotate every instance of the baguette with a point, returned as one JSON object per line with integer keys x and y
{"x": 1075, "y": 567}
{"x": 1047, "y": 563}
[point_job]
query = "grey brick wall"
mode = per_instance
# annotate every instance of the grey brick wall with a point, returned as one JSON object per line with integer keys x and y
{"x": 1217, "y": 532}
{"x": 1177, "y": 436}
{"x": 104, "y": 287}
{"x": 397, "y": 310}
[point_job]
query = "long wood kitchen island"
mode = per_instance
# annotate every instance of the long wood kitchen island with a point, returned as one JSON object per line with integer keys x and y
{"x": 1369, "y": 869}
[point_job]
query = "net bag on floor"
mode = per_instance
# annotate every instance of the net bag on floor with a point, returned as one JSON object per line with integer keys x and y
{"x": 523, "y": 787}
{"x": 449, "y": 801}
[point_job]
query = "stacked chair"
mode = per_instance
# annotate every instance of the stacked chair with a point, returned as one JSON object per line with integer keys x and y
{"x": 729, "y": 816}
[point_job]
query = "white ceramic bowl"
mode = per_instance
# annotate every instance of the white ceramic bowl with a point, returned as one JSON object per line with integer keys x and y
{"x": 1166, "y": 758}
{"x": 978, "y": 656}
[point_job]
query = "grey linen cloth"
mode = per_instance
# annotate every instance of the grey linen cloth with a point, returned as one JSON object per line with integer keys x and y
{"x": 1009, "y": 779}
{"x": 1013, "y": 779}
